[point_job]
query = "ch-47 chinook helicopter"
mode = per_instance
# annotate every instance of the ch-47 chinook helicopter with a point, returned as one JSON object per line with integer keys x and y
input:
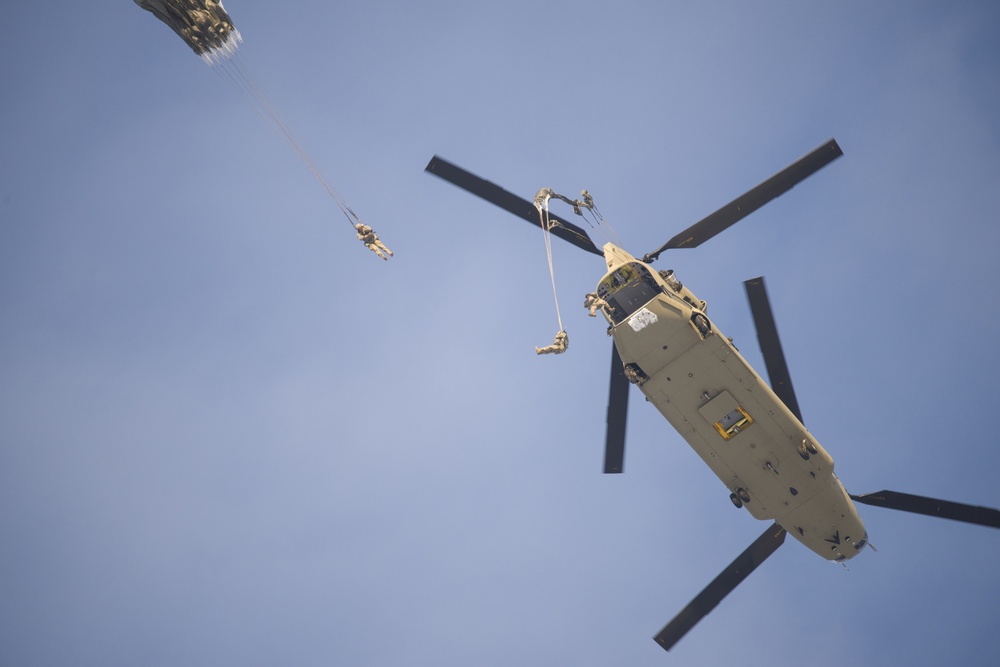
{"x": 749, "y": 433}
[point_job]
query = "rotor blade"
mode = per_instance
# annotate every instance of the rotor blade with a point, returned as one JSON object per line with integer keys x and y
{"x": 770, "y": 344}
{"x": 510, "y": 202}
{"x": 614, "y": 447}
{"x": 721, "y": 586}
{"x": 894, "y": 500}
{"x": 744, "y": 205}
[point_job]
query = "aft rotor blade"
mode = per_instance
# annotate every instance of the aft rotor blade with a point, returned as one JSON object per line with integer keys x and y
{"x": 510, "y": 202}
{"x": 770, "y": 344}
{"x": 614, "y": 447}
{"x": 946, "y": 509}
{"x": 731, "y": 577}
{"x": 744, "y": 205}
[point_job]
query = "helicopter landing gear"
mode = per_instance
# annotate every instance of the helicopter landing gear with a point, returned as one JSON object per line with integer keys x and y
{"x": 739, "y": 497}
{"x": 700, "y": 323}
{"x": 803, "y": 452}
{"x": 635, "y": 374}
{"x": 736, "y": 500}
{"x": 807, "y": 448}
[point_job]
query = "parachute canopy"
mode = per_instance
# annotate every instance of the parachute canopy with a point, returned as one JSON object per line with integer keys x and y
{"x": 203, "y": 24}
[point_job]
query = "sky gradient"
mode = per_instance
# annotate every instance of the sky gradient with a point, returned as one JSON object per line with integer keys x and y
{"x": 230, "y": 434}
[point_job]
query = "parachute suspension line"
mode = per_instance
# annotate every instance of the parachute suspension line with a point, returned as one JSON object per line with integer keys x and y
{"x": 235, "y": 73}
{"x": 206, "y": 27}
{"x": 542, "y": 204}
{"x": 596, "y": 222}
{"x": 607, "y": 231}
{"x": 227, "y": 49}
{"x": 586, "y": 209}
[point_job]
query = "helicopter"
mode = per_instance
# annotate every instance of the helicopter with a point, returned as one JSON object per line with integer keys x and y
{"x": 749, "y": 432}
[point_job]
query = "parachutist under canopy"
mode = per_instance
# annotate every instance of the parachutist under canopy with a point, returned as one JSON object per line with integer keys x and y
{"x": 558, "y": 346}
{"x": 368, "y": 236}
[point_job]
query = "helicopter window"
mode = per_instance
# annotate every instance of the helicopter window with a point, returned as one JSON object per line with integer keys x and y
{"x": 627, "y": 289}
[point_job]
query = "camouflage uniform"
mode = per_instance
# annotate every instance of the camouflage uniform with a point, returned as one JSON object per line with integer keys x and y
{"x": 368, "y": 236}
{"x": 558, "y": 346}
{"x": 592, "y": 302}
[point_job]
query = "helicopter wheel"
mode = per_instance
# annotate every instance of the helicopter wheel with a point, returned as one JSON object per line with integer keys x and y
{"x": 701, "y": 324}
{"x": 736, "y": 500}
{"x": 811, "y": 448}
{"x": 634, "y": 374}
{"x": 743, "y": 495}
{"x": 803, "y": 452}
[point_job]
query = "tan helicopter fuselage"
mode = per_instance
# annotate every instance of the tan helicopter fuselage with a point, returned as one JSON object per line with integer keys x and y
{"x": 729, "y": 415}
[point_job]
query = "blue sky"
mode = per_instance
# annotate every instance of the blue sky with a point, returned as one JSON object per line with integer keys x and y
{"x": 229, "y": 434}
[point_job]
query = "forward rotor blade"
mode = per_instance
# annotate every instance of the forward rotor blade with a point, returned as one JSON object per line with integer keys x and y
{"x": 721, "y": 586}
{"x": 614, "y": 447}
{"x": 770, "y": 344}
{"x": 744, "y": 205}
{"x": 510, "y": 202}
{"x": 894, "y": 500}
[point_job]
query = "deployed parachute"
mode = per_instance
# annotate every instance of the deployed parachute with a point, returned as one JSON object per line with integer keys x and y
{"x": 203, "y": 24}
{"x": 206, "y": 27}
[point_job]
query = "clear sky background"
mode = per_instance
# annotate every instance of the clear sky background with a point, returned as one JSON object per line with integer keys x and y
{"x": 231, "y": 435}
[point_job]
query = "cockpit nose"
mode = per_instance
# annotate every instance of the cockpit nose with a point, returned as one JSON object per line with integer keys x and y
{"x": 843, "y": 554}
